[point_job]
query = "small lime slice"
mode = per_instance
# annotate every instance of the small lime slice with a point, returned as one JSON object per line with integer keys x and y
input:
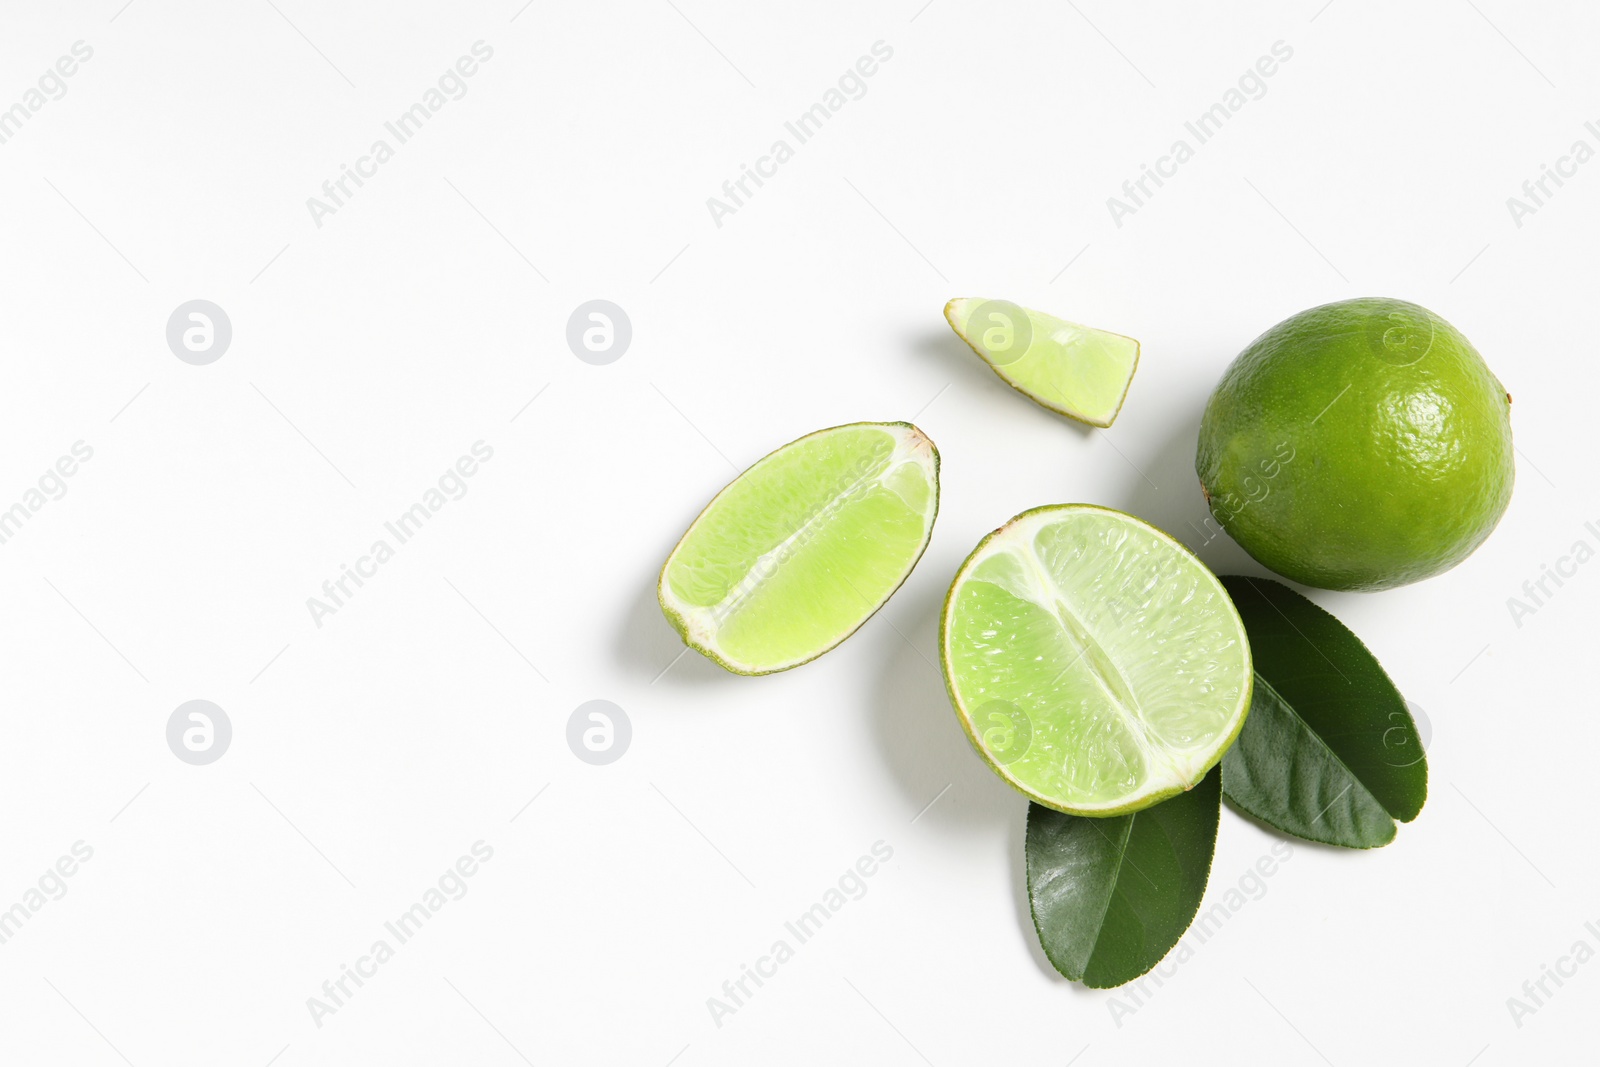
{"x": 798, "y": 551}
{"x": 1074, "y": 370}
{"x": 1095, "y": 663}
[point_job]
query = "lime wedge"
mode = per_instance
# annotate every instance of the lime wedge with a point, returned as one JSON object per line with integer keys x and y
{"x": 1074, "y": 370}
{"x": 1094, "y": 662}
{"x": 798, "y": 551}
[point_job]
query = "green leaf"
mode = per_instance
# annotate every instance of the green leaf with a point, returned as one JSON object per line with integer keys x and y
{"x": 1329, "y": 752}
{"x": 1110, "y": 897}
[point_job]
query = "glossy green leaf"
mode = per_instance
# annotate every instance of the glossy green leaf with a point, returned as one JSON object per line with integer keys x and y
{"x": 1110, "y": 897}
{"x": 1329, "y": 752}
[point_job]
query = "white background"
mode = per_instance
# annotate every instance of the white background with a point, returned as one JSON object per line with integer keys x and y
{"x": 372, "y": 351}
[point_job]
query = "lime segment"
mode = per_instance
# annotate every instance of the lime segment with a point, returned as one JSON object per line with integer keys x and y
{"x": 1104, "y": 645}
{"x": 1073, "y": 370}
{"x": 800, "y": 550}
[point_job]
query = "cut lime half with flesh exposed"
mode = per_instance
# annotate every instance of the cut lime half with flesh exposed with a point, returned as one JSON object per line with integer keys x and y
{"x": 1074, "y": 370}
{"x": 800, "y": 550}
{"x": 1094, "y": 662}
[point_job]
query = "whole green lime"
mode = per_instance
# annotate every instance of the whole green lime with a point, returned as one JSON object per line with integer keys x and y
{"x": 1358, "y": 445}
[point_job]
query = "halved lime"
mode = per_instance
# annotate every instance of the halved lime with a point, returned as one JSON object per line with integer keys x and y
{"x": 1095, "y": 663}
{"x": 1077, "y": 371}
{"x": 798, "y": 551}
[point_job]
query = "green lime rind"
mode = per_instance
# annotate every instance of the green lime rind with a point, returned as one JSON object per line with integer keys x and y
{"x": 1360, "y": 445}
{"x": 1070, "y": 369}
{"x": 1151, "y": 650}
{"x": 800, "y": 550}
